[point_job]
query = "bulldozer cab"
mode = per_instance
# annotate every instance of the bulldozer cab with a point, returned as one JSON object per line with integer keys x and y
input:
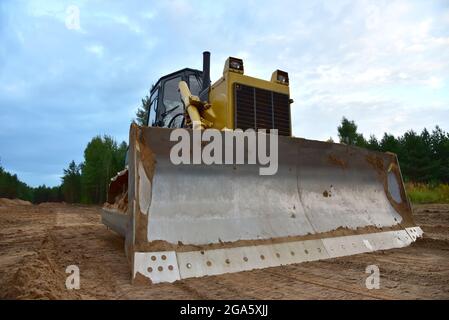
{"x": 166, "y": 108}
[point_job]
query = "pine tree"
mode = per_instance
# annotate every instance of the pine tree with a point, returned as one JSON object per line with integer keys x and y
{"x": 439, "y": 141}
{"x": 373, "y": 143}
{"x": 347, "y": 132}
{"x": 103, "y": 158}
{"x": 71, "y": 183}
{"x": 142, "y": 111}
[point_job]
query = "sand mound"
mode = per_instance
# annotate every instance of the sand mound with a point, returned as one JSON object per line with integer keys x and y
{"x": 38, "y": 277}
{"x": 51, "y": 204}
{"x": 14, "y": 202}
{"x": 23, "y": 202}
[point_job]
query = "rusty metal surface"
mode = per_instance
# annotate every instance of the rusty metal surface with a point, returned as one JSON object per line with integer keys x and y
{"x": 319, "y": 187}
{"x": 115, "y": 220}
{"x": 117, "y": 186}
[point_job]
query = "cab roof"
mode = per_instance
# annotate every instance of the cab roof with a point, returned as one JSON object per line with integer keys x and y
{"x": 199, "y": 72}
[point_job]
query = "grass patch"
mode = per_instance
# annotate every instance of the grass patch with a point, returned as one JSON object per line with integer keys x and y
{"x": 424, "y": 193}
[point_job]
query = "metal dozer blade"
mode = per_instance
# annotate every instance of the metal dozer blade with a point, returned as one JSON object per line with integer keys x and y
{"x": 183, "y": 220}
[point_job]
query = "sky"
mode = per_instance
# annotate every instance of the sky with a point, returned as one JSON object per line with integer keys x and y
{"x": 70, "y": 70}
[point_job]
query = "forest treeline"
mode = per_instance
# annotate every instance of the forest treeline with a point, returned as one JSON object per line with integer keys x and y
{"x": 423, "y": 157}
{"x": 86, "y": 182}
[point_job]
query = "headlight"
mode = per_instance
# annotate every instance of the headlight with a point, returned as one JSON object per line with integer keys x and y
{"x": 236, "y": 64}
{"x": 283, "y": 77}
{"x": 280, "y": 77}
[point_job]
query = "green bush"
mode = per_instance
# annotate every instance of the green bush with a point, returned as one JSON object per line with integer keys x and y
{"x": 425, "y": 193}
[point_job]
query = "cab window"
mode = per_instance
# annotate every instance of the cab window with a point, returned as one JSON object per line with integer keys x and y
{"x": 172, "y": 103}
{"x": 194, "y": 85}
{"x": 153, "y": 106}
{"x": 172, "y": 99}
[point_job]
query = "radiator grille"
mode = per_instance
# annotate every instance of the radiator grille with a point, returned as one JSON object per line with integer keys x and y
{"x": 261, "y": 109}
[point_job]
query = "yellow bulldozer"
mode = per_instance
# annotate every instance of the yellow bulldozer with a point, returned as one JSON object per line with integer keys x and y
{"x": 204, "y": 206}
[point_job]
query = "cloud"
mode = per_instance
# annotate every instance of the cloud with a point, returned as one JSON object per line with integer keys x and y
{"x": 435, "y": 82}
{"x": 96, "y": 49}
{"x": 384, "y": 64}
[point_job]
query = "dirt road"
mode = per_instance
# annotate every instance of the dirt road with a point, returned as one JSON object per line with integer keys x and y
{"x": 37, "y": 243}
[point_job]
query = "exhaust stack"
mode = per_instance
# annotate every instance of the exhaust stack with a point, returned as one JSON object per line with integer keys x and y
{"x": 206, "y": 76}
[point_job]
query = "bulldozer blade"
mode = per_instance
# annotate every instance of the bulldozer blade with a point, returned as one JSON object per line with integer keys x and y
{"x": 326, "y": 200}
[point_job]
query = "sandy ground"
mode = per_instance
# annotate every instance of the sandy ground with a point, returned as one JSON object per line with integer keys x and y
{"x": 37, "y": 243}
